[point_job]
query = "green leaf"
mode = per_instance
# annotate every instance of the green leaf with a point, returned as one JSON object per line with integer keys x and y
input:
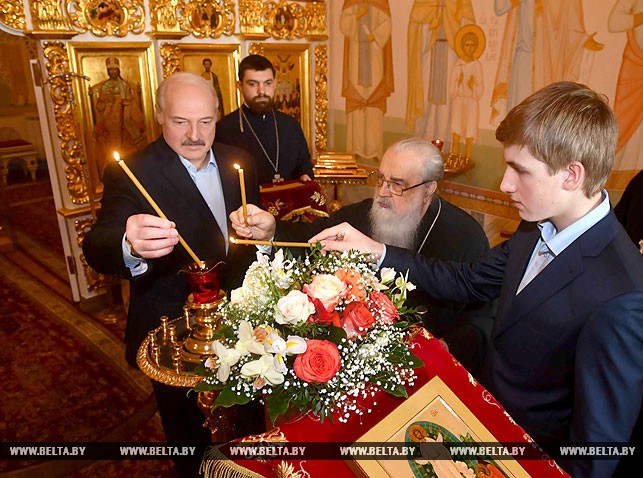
{"x": 415, "y": 361}
{"x": 336, "y": 335}
{"x": 398, "y": 391}
{"x": 277, "y": 406}
{"x": 227, "y": 398}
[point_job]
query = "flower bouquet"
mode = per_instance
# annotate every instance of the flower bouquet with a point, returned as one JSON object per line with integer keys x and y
{"x": 316, "y": 333}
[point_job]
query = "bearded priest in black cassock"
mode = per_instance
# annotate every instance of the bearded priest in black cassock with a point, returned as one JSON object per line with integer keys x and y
{"x": 273, "y": 139}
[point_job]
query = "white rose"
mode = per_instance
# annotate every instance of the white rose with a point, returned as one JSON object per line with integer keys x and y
{"x": 327, "y": 288}
{"x": 237, "y": 296}
{"x": 293, "y": 308}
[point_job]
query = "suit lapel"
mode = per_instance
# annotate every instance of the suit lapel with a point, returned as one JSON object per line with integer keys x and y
{"x": 568, "y": 265}
{"x": 173, "y": 171}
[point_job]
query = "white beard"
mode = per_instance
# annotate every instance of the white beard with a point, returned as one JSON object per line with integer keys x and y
{"x": 390, "y": 228}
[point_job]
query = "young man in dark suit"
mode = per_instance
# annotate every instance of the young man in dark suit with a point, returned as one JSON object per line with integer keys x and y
{"x": 566, "y": 352}
{"x": 195, "y": 184}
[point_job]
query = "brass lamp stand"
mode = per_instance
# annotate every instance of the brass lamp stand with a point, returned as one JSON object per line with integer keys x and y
{"x": 170, "y": 353}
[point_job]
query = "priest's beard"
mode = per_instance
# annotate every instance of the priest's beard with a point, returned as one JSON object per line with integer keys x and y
{"x": 259, "y": 105}
{"x": 389, "y": 227}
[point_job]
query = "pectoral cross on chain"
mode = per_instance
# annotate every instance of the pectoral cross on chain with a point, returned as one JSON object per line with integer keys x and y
{"x": 277, "y": 178}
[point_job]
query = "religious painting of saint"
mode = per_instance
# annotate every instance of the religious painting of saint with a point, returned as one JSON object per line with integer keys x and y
{"x": 100, "y": 13}
{"x": 217, "y": 64}
{"x": 433, "y": 421}
{"x": 292, "y": 93}
{"x": 119, "y": 121}
{"x": 116, "y": 103}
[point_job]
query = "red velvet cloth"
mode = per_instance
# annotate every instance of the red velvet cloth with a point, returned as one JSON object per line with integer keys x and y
{"x": 294, "y": 200}
{"x": 437, "y": 362}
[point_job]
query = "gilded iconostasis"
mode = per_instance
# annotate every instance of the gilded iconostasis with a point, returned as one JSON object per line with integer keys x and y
{"x": 357, "y": 75}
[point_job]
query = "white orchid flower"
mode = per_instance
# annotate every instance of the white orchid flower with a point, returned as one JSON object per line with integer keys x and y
{"x": 274, "y": 344}
{"x": 263, "y": 370}
{"x": 227, "y": 359}
{"x": 262, "y": 258}
{"x": 247, "y": 343}
{"x": 387, "y": 274}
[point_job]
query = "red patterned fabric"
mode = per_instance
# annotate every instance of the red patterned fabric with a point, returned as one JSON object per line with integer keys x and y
{"x": 437, "y": 362}
{"x": 294, "y": 200}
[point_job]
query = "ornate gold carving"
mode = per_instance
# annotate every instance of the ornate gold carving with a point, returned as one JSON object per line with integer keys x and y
{"x": 256, "y": 48}
{"x": 208, "y": 18}
{"x": 284, "y": 21}
{"x": 251, "y": 19}
{"x": 321, "y": 97}
{"x": 12, "y": 14}
{"x": 163, "y": 15}
{"x": 107, "y": 18}
{"x": 48, "y": 15}
{"x": 95, "y": 281}
{"x": 62, "y": 96}
{"x": 171, "y": 54}
{"x": 316, "y": 15}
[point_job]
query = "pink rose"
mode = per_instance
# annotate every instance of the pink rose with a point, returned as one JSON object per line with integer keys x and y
{"x": 319, "y": 363}
{"x": 356, "y": 319}
{"x": 383, "y": 305}
{"x": 327, "y": 288}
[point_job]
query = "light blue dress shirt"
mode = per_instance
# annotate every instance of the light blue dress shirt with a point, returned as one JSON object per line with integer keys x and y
{"x": 552, "y": 242}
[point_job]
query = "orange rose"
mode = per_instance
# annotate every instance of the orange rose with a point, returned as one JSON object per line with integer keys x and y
{"x": 351, "y": 279}
{"x": 356, "y": 319}
{"x": 319, "y": 363}
{"x": 384, "y": 307}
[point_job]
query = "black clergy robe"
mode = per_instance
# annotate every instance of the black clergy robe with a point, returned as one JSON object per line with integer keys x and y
{"x": 294, "y": 158}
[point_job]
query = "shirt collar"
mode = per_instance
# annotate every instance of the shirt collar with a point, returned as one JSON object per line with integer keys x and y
{"x": 192, "y": 168}
{"x": 557, "y": 242}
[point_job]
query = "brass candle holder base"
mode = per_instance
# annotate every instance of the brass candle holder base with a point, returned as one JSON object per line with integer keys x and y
{"x": 199, "y": 345}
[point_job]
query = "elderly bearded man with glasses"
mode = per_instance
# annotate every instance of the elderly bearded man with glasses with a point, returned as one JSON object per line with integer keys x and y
{"x": 406, "y": 212}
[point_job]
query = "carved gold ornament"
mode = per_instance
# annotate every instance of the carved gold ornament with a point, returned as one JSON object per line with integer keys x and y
{"x": 321, "y": 97}
{"x": 284, "y": 21}
{"x": 47, "y": 15}
{"x": 163, "y": 15}
{"x": 12, "y": 14}
{"x": 316, "y": 16}
{"x": 208, "y": 18}
{"x": 171, "y": 54}
{"x": 95, "y": 281}
{"x": 251, "y": 19}
{"x": 62, "y": 96}
{"x": 107, "y": 17}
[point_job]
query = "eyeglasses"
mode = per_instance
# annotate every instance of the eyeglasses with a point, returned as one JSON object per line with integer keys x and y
{"x": 376, "y": 179}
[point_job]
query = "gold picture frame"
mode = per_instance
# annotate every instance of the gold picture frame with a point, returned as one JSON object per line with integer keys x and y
{"x": 292, "y": 64}
{"x": 117, "y": 112}
{"x": 434, "y": 409}
{"x": 224, "y": 60}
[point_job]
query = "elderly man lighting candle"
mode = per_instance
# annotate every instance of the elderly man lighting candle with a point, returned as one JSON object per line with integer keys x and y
{"x": 193, "y": 183}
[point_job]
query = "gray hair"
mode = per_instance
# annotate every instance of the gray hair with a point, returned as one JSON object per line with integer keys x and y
{"x": 186, "y": 78}
{"x": 425, "y": 151}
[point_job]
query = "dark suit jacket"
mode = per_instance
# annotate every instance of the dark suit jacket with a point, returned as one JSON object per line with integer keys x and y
{"x": 162, "y": 290}
{"x": 566, "y": 354}
{"x": 451, "y": 234}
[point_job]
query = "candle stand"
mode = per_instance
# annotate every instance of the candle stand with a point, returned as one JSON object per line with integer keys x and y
{"x": 171, "y": 352}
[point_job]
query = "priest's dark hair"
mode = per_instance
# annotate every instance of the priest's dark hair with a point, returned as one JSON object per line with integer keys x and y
{"x": 256, "y": 63}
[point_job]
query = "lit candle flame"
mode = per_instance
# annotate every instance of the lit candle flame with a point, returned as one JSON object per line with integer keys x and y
{"x": 117, "y": 157}
{"x": 236, "y": 166}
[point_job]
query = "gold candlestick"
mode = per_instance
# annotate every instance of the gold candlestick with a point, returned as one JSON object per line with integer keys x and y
{"x": 242, "y": 184}
{"x": 155, "y": 206}
{"x": 252, "y": 242}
